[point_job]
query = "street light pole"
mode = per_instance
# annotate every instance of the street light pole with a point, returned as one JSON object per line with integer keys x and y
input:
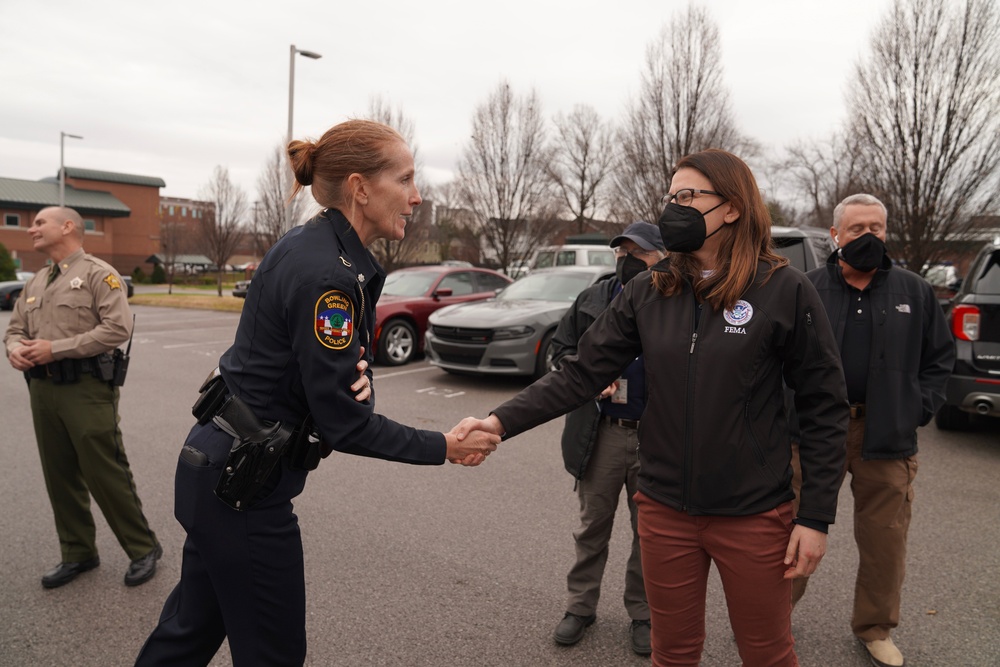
{"x": 291, "y": 106}
{"x": 291, "y": 81}
{"x": 62, "y": 169}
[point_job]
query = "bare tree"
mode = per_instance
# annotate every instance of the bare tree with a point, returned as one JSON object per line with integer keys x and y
{"x": 822, "y": 173}
{"x": 273, "y": 213}
{"x": 503, "y": 178}
{"x": 394, "y": 254}
{"x": 682, "y": 107}
{"x": 173, "y": 242}
{"x": 924, "y": 110}
{"x": 222, "y": 224}
{"x": 582, "y": 157}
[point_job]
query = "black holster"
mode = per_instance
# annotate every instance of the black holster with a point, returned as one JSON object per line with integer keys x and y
{"x": 257, "y": 448}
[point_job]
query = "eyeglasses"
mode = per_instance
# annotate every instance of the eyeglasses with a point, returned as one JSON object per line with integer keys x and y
{"x": 686, "y": 196}
{"x": 637, "y": 253}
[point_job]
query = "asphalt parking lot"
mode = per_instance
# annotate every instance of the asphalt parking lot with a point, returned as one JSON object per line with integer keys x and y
{"x": 447, "y": 566}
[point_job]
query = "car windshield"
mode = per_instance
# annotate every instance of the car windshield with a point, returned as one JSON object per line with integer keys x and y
{"x": 547, "y": 287}
{"x": 408, "y": 283}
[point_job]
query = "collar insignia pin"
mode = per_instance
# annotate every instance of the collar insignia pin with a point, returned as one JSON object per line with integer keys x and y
{"x": 361, "y": 277}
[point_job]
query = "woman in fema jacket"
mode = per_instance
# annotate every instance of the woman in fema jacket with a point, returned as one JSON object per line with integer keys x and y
{"x": 721, "y": 322}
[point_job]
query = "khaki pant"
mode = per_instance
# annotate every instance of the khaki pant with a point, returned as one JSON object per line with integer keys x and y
{"x": 80, "y": 445}
{"x": 883, "y": 500}
{"x": 613, "y": 464}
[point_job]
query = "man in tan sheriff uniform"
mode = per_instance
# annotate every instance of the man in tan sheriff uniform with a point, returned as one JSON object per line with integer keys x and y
{"x": 67, "y": 321}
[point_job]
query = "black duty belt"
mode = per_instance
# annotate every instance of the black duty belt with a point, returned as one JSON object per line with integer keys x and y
{"x": 857, "y": 410}
{"x": 624, "y": 423}
{"x": 66, "y": 371}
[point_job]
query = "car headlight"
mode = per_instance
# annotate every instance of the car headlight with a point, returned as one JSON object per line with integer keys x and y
{"x": 506, "y": 333}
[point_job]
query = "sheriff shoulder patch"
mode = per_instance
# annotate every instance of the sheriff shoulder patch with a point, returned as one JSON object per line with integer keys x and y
{"x": 113, "y": 282}
{"x": 334, "y": 321}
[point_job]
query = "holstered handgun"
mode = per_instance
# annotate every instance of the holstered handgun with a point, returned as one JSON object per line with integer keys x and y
{"x": 257, "y": 448}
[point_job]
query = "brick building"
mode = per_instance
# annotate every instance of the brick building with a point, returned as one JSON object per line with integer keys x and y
{"x": 120, "y": 213}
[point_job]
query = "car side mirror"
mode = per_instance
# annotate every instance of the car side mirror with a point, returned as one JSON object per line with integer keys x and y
{"x": 442, "y": 292}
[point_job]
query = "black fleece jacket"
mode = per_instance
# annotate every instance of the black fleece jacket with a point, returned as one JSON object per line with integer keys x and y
{"x": 912, "y": 353}
{"x": 714, "y": 436}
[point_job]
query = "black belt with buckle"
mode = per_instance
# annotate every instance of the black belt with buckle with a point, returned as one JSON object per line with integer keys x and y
{"x": 624, "y": 423}
{"x": 857, "y": 410}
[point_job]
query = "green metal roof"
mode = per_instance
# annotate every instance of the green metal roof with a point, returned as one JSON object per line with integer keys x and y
{"x": 36, "y": 195}
{"x": 113, "y": 177}
{"x": 192, "y": 260}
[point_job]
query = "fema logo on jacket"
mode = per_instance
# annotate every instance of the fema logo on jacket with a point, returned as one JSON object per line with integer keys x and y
{"x": 738, "y": 317}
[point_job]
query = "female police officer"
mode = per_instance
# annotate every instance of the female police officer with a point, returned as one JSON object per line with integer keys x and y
{"x": 309, "y": 314}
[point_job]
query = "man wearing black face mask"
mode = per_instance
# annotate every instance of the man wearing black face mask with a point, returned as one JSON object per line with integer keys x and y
{"x": 897, "y": 354}
{"x": 600, "y": 449}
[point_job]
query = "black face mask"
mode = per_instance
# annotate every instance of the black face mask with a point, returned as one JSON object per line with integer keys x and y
{"x": 683, "y": 227}
{"x": 864, "y": 253}
{"x": 628, "y": 267}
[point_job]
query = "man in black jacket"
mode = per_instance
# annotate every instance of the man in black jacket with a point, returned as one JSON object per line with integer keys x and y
{"x": 600, "y": 449}
{"x": 897, "y": 354}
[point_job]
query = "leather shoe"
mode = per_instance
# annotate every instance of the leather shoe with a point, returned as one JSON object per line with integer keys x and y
{"x": 63, "y": 573}
{"x": 142, "y": 569}
{"x": 638, "y": 634}
{"x": 883, "y": 653}
{"x": 570, "y": 630}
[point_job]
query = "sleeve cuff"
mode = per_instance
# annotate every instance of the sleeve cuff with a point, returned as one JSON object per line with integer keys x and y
{"x": 815, "y": 524}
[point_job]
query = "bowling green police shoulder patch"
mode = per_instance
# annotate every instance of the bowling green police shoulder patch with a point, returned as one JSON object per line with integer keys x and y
{"x": 334, "y": 320}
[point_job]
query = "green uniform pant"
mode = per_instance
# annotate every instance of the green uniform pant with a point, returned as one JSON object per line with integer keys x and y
{"x": 80, "y": 444}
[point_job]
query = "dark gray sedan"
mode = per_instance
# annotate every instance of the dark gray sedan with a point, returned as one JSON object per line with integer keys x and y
{"x": 511, "y": 334}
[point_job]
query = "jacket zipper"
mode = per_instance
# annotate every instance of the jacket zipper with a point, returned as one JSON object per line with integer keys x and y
{"x": 689, "y": 409}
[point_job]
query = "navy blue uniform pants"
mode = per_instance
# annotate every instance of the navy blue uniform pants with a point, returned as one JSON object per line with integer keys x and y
{"x": 242, "y": 574}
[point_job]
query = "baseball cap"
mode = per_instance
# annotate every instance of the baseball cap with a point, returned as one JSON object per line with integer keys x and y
{"x": 643, "y": 234}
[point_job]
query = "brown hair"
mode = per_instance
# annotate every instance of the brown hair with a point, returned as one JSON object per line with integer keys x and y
{"x": 351, "y": 147}
{"x": 744, "y": 242}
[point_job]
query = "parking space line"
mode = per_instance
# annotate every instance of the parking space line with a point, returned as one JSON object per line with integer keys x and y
{"x": 392, "y": 375}
{"x": 208, "y": 342}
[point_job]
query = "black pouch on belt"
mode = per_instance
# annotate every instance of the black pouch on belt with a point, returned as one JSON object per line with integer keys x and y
{"x": 257, "y": 448}
{"x": 210, "y": 398}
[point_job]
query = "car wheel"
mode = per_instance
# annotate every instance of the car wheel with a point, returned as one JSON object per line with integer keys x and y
{"x": 950, "y": 418}
{"x": 397, "y": 343}
{"x": 544, "y": 361}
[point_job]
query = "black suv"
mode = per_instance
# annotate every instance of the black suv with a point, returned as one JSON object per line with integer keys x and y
{"x": 805, "y": 247}
{"x": 974, "y": 386}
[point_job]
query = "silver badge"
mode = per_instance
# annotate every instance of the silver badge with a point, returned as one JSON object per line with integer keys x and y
{"x": 76, "y": 283}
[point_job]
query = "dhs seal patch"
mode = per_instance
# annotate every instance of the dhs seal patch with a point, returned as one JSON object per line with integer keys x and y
{"x": 334, "y": 320}
{"x": 738, "y": 317}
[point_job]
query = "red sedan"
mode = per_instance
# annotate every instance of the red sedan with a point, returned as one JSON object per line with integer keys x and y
{"x": 411, "y": 295}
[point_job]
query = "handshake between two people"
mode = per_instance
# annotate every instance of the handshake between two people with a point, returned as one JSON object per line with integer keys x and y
{"x": 472, "y": 440}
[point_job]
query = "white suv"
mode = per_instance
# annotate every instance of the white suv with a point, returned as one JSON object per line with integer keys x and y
{"x": 572, "y": 255}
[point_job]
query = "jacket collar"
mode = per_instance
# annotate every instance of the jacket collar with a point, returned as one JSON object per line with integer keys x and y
{"x": 361, "y": 260}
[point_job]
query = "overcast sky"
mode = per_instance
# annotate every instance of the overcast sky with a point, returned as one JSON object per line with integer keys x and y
{"x": 172, "y": 89}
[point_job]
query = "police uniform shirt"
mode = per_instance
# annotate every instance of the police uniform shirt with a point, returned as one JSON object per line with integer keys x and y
{"x": 309, "y": 310}
{"x": 84, "y": 310}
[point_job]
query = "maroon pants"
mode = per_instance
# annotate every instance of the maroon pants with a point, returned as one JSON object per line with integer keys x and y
{"x": 749, "y": 552}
